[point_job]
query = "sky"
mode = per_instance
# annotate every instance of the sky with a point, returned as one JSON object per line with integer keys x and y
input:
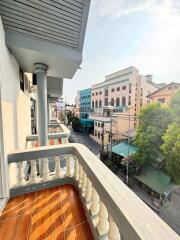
{"x": 122, "y": 33}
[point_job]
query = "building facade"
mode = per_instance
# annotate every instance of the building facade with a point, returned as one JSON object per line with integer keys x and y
{"x": 126, "y": 92}
{"x": 164, "y": 94}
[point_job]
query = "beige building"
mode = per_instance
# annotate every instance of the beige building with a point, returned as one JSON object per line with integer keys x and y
{"x": 164, "y": 94}
{"x": 126, "y": 91}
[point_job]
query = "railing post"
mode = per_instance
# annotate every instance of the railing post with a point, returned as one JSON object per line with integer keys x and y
{"x": 45, "y": 169}
{"x": 80, "y": 175}
{"x": 21, "y": 180}
{"x": 94, "y": 208}
{"x": 88, "y": 194}
{"x": 33, "y": 178}
{"x": 68, "y": 166}
{"x": 57, "y": 167}
{"x": 84, "y": 182}
{"x": 113, "y": 233}
{"x": 56, "y": 141}
{"x": 103, "y": 223}
{"x": 76, "y": 169}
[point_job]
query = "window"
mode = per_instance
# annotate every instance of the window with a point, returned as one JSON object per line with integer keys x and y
{"x": 96, "y": 104}
{"x": 141, "y": 102}
{"x": 106, "y": 92}
{"x": 112, "y": 90}
{"x": 118, "y": 89}
{"x": 141, "y": 92}
{"x": 129, "y": 100}
{"x": 112, "y": 101}
{"x": 95, "y": 133}
{"x": 99, "y": 125}
{"x": 92, "y": 94}
{"x": 96, "y": 93}
{"x": 117, "y": 102}
{"x": 106, "y": 102}
{"x": 130, "y": 87}
{"x": 123, "y": 101}
{"x": 21, "y": 78}
{"x": 99, "y": 134}
{"x": 170, "y": 87}
{"x": 100, "y": 93}
{"x": 161, "y": 100}
{"x": 100, "y": 103}
{"x": 92, "y": 104}
{"x": 124, "y": 88}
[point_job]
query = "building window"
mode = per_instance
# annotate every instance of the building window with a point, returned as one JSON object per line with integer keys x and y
{"x": 106, "y": 102}
{"x": 124, "y": 88}
{"x": 99, "y": 134}
{"x": 130, "y": 87}
{"x": 118, "y": 89}
{"x": 112, "y": 101}
{"x": 99, "y": 125}
{"x": 117, "y": 102}
{"x": 141, "y": 92}
{"x": 96, "y": 105}
{"x": 129, "y": 100}
{"x": 148, "y": 101}
{"x": 96, "y": 93}
{"x": 141, "y": 102}
{"x": 100, "y": 103}
{"x": 100, "y": 93}
{"x": 161, "y": 100}
{"x": 92, "y": 94}
{"x": 106, "y": 92}
{"x": 123, "y": 101}
{"x": 21, "y": 79}
{"x": 92, "y": 104}
{"x": 95, "y": 133}
{"x": 170, "y": 88}
{"x": 112, "y": 90}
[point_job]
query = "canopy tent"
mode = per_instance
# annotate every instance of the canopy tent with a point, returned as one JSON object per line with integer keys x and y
{"x": 155, "y": 180}
{"x": 122, "y": 149}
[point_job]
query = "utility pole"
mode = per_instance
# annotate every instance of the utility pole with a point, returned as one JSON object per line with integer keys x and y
{"x": 127, "y": 172}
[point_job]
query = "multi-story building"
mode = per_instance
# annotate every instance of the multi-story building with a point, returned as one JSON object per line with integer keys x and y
{"x": 79, "y": 197}
{"x": 85, "y": 110}
{"x": 126, "y": 91}
{"x": 164, "y": 94}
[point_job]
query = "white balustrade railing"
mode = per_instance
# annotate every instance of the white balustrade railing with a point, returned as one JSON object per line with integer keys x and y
{"x": 114, "y": 211}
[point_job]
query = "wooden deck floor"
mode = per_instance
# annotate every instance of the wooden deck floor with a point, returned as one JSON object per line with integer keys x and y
{"x": 55, "y": 213}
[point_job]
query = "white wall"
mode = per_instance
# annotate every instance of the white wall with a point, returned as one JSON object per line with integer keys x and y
{"x": 15, "y": 103}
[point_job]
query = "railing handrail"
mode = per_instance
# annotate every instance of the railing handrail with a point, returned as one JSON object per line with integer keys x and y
{"x": 130, "y": 213}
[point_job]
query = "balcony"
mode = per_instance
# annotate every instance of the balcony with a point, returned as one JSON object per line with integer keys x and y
{"x": 112, "y": 210}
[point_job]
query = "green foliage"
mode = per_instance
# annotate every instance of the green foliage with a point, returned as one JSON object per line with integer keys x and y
{"x": 75, "y": 123}
{"x": 175, "y": 106}
{"x": 154, "y": 120}
{"x": 171, "y": 149}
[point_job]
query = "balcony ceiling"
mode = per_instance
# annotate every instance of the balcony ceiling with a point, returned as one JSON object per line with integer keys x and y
{"x": 51, "y": 31}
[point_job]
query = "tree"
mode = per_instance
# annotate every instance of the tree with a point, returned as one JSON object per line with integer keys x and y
{"x": 154, "y": 120}
{"x": 171, "y": 145}
{"x": 171, "y": 149}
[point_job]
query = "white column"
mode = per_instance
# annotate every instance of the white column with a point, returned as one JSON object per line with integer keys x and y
{"x": 94, "y": 209}
{"x": 45, "y": 169}
{"x": 88, "y": 194}
{"x": 20, "y": 176}
{"x": 33, "y": 178}
{"x": 103, "y": 223}
{"x": 64, "y": 140}
{"x": 57, "y": 167}
{"x": 56, "y": 141}
{"x": 114, "y": 233}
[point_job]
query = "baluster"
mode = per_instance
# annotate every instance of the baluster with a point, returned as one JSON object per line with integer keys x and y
{"x": 33, "y": 143}
{"x": 49, "y": 141}
{"x": 88, "y": 194}
{"x": 80, "y": 175}
{"x": 45, "y": 169}
{"x": 56, "y": 141}
{"x": 21, "y": 180}
{"x": 114, "y": 233}
{"x": 57, "y": 167}
{"x": 84, "y": 182}
{"x": 76, "y": 168}
{"x": 94, "y": 208}
{"x": 68, "y": 166}
{"x": 33, "y": 178}
{"x": 103, "y": 223}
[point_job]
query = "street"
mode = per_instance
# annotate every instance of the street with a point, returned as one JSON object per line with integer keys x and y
{"x": 77, "y": 137}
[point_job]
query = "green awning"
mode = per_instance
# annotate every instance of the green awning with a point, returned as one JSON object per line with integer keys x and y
{"x": 155, "y": 180}
{"x": 122, "y": 149}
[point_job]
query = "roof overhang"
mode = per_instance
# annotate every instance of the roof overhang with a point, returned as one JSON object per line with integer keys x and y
{"x": 47, "y": 31}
